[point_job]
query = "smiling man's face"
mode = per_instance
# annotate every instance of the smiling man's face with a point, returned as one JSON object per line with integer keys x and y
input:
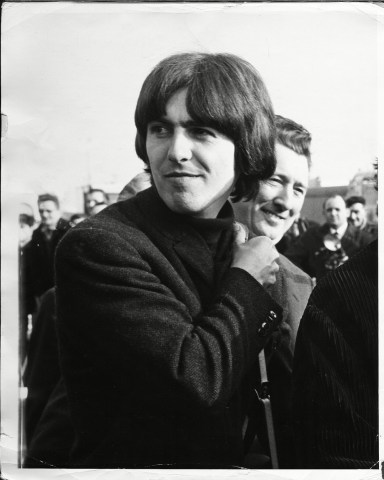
{"x": 281, "y": 197}
{"x": 192, "y": 166}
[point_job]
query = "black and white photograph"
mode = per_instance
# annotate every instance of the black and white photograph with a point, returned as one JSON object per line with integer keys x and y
{"x": 190, "y": 237}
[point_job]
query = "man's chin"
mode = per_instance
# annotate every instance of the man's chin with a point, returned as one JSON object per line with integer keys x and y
{"x": 267, "y": 232}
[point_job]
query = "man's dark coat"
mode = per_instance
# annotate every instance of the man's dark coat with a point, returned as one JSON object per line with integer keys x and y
{"x": 154, "y": 356}
{"x": 335, "y": 374}
{"x": 308, "y": 251}
{"x": 39, "y": 262}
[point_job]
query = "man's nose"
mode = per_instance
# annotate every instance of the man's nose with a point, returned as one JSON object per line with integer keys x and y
{"x": 284, "y": 200}
{"x": 180, "y": 149}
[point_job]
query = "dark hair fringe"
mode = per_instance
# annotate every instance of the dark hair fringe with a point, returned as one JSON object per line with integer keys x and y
{"x": 224, "y": 92}
{"x": 48, "y": 197}
{"x": 355, "y": 199}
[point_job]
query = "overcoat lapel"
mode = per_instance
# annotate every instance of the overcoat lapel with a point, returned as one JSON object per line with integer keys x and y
{"x": 177, "y": 239}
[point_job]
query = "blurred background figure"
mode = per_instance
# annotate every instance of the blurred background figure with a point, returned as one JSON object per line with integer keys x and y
{"x": 36, "y": 277}
{"x": 97, "y": 207}
{"x": 39, "y": 251}
{"x": 26, "y": 224}
{"x": 76, "y": 218}
{"x": 95, "y": 196}
{"x": 323, "y": 248}
{"x": 140, "y": 182}
{"x": 358, "y": 215}
{"x": 42, "y": 370}
{"x": 26, "y": 303}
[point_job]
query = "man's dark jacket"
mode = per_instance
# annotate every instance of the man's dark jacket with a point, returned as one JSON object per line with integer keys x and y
{"x": 155, "y": 347}
{"x": 335, "y": 374}
{"x": 309, "y": 253}
{"x": 42, "y": 370}
{"x": 39, "y": 262}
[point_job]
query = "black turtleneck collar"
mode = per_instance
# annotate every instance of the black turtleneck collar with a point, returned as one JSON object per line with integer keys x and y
{"x": 211, "y": 229}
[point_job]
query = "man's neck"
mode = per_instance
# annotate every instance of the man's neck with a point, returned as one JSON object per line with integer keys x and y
{"x": 48, "y": 228}
{"x": 340, "y": 230}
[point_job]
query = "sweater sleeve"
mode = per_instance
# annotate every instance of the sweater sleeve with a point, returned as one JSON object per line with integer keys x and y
{"x": 120, "y": 318}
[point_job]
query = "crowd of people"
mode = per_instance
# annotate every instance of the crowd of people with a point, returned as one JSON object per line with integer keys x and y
{"x": 164, "y": 322}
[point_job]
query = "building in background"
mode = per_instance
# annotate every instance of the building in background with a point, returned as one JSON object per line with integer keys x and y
{"x": 362, "y": 183}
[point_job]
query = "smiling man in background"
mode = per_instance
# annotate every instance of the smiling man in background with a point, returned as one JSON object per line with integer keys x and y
{"x": 273, "y": 211}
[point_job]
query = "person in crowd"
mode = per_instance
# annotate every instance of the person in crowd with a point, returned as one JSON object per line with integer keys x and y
{"x": 39, "y": 252}
{"x": 162, "y": 312}
{"x": 95, "y": 196}
{"x": 335, "y": 375}
{"x": 323, "y": 248}
{"x": 26, "y": 299}
{"x": 42, "y": 370}
{"x": 26, "y": 224}
{"x": 272, "y": 213}
{"x": 139, "y": 182}
{"x": 358, "y": 215}
{"x": 76, "y": 218}
{"x": 97, "y": 207}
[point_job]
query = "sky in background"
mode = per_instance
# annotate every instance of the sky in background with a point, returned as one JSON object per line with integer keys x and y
{"x": 72, "y": 74}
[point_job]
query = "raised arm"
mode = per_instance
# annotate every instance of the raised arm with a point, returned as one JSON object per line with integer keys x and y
{"x": 124, "y": 311}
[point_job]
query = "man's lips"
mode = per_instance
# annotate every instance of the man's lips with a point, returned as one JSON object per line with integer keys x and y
{"x": 273, "y": 214}
{"x": 181, "y": 174}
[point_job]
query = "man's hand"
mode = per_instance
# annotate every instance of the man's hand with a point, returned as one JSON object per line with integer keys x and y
{"x": 257, "y": 256}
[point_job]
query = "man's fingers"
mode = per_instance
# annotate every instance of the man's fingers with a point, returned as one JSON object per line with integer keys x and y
{"x": 241, "y": 233}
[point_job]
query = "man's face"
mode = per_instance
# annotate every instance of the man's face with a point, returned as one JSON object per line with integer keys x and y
{"x": 49, "y": 213}
{"x": 93, "y": 198}
{"x": 335, "y": 212}
{"x": 25, "y": 233}
{"x": 357, "y": 215}
{"x": 281, "y": 197}
{"x": 193, "y": 166}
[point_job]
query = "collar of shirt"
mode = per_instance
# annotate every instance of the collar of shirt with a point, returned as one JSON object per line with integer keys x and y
{"x": 339, "y": 232}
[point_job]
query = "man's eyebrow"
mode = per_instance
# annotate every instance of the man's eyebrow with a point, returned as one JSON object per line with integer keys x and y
{"x": 287, "y": 178}
{"x": 301, "y": 184}
{"x": 185, "y": 124}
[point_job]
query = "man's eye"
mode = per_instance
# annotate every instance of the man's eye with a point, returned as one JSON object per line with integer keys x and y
{"x": 300, "y": 190}
{"x": 158, "y": 129}
{"x": 202, "y": 132}
{"x": 275, "y": 180}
